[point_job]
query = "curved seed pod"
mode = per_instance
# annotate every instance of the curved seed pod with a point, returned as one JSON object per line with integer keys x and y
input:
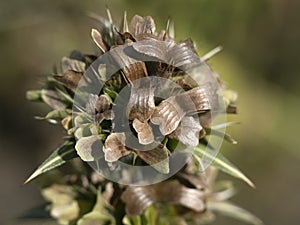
{"x": 198, "y": 98}
{"x": 141, "y": 103}
{"x": 144, "y": 132}
{"x": 188, "y": 131}
{"x": 115, "y": 147}
{"x": 131, "y": 68}
{"x": 137, "y": 199}
{"x": 72, "y": 64}
{"x": 179, "y": 194}
{"x": 154, "y": 48}
{"x": 184, "y": 55}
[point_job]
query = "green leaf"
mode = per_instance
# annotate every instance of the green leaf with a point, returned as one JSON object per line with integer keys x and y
{"x": 224, "y": 125}
{"x": 228, "y": 209}
{"x": 221, "y": 163}
{"x": 220, "y": 134}
{"x": 56, "y": 115}
{"x": 60, "y": 156}
{"x": 111, "y": 93}
{"x": 33, "y": 95}
{"x": 99, "y": 215}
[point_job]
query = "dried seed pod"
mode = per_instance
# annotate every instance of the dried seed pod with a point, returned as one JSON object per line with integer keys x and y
{"x": 137, "y": 199}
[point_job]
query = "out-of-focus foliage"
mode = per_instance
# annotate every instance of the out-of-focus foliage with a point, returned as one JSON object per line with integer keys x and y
{"x": 261, "y": 41}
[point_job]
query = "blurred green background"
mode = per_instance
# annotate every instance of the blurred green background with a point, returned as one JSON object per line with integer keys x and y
{"x": 261, "y": 40}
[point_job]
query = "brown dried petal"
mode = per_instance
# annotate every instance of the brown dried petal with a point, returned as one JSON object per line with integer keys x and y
{"x": 144, "y": 132}
{"x": 102, "y": 103}
{"x": 188, "y": 131}
{"x": 176, "y": 193}
{"x": 192, "y": 180}
{"x": 167, "y": 116}
{"x": 72, "y": 64}
{"x": 67, "y": 122}
{"x": 91, "y": 104}
{"x": 97, "y": 37}
{"x": 140, "y": 25}
{"x": 157, "y": 158}
{"x": 70, "y": 79}
{"x": 137, "y": 199}
{"x": 131, "y": 68}
{"x": 154, "y": 48}
{"x": 183, "y": 54}
{"x": 141, "y": 103}
{"x": 170, "y": 112}
{"x": 115, "y": 147}
{"x": 108, "y": 115}
{"x": 197, "y": 99}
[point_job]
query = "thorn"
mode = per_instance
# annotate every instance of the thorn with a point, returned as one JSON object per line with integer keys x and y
{"x": 171, "y": 30}
{"x": 211, "y": 53}
{"x": 168, "y": 24}
{"x": 125, "y": 23}
{"x": 109, "y": 15}
{"x": 32, "y": 176}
